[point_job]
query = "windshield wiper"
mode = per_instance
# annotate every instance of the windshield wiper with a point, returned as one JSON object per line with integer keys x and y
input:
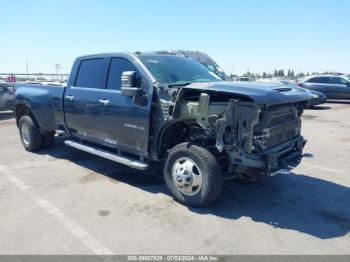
{"x": 179, "y": 84}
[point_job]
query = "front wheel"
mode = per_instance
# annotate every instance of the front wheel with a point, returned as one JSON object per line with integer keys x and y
{"x": 192, "y": 175}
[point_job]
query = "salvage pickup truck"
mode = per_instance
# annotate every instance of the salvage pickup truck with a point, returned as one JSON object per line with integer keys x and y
{"x": 149, "y": 110}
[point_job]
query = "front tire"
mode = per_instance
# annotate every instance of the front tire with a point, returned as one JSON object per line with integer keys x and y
{"x": 31, "y": 137}
{"x": 192, "y": 175}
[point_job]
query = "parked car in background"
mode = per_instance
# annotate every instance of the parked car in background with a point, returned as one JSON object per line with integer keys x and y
{"x": 332, "y": 86}
{"x": 317, "y": 97}
{"x": 7, "y": 96}
{"x": 244, "y": 79}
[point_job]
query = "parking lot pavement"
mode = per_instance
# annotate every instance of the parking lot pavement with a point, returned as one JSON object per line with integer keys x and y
{"x": 63, "y": 201}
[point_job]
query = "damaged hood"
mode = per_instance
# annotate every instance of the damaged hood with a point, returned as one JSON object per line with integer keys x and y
{"x": 260, "y": 93}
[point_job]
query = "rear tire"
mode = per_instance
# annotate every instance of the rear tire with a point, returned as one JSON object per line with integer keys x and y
{"x": 193, "y": 175}
{"x": 31, "y": 137}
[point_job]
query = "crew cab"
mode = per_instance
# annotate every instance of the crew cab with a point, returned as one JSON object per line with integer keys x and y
{"x": 149, "y": 110}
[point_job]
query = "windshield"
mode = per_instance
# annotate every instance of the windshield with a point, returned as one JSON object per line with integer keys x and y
{"x": 171, "y": 69}
{"x": 288, "y": 83}
{"x": 217, "y": 70}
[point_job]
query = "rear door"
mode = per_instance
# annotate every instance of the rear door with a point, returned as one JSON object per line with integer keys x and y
{"x": 124, "y": 122}
{"x": 341, "y": 88}
{"x": 81, "y": 101}
{"x": 322, "y": 84}
{"x": 2, "y": 96}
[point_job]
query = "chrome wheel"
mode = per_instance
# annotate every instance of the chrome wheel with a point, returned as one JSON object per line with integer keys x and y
{"x": 25, "y": 133}
{"x": 187, "y": 176}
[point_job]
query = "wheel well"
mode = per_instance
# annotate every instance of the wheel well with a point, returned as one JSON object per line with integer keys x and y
{"x": 171, "y": 135}
{"x": 178, "y": 132}
{"x": 22, "y": 110}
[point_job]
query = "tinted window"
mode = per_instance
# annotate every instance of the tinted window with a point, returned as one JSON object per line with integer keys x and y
{"x": 90, "y": 73}
{"x": 338, "y": 81}
{"x": 319, "y": 80}
{"x": 118, "y": 66}
{"x": 313, "y": 80}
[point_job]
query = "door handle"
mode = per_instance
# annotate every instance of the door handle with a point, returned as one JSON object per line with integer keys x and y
{"x": 104, "y": 102}
{"x": 70, "y": 97}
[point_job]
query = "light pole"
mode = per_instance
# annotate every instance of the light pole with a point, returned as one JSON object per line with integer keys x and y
{"x": 58, "y": 67}
{"x": 27, "y": 67}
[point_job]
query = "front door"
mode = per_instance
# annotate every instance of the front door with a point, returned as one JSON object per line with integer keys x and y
{"x": 124, "y": 122}
{"x": 95, "y": 109}
{"x": 341, "y": 88}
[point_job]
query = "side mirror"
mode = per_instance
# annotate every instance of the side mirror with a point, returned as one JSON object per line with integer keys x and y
{"x": 348, "y": 84}
{"x": 130, "y": 84}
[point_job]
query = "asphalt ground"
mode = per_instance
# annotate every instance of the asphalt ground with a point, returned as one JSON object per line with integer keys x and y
{"x": 63, "y": 201}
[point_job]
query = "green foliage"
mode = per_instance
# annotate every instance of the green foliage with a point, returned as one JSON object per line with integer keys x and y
{"x": 300, "y": 75}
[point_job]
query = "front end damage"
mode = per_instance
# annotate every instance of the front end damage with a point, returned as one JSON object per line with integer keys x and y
{"x": 257, "y": 139}
{"x": 260, "y": 141}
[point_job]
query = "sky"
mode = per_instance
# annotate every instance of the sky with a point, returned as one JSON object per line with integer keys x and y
{"x": 304, "y": 35}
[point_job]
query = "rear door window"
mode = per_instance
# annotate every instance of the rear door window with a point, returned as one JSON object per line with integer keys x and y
{"x": 90, "y": 73}
{"x": 117, "y": 67}
{"x": 319, "y": 80}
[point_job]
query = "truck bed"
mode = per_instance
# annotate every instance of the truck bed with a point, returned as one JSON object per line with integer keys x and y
{"x": 46, "y": 103}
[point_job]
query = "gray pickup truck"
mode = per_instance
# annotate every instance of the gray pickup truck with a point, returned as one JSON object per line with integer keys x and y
{"x": 163, "y": 110}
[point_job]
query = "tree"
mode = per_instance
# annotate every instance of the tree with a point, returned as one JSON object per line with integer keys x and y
{"x": 300, "y": 75}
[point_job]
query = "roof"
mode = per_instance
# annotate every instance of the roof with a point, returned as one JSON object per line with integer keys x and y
{"x": 137, "y": 53}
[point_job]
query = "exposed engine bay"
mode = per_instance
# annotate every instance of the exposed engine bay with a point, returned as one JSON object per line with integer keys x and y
{"x": 256, "y": 139}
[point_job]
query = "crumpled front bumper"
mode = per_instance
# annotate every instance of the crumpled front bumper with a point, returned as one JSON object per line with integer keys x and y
{"x": 280, "y": 159}
{"x": 286, "y": 159}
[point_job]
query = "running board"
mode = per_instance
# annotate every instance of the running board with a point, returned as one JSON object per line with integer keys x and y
{"x": 108, "y": 155}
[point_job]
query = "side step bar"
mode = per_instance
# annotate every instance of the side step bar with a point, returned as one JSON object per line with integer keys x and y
{"x": 108, "y": 155}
